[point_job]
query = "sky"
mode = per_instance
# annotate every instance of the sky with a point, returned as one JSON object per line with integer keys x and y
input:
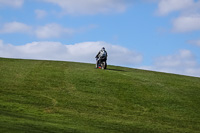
{"x": 158, "y": 35}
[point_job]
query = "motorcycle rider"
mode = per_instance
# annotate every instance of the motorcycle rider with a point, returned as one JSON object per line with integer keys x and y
{"x": 102, "y": 55}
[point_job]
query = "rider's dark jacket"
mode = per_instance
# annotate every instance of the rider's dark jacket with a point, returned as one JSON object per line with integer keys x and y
{"x": 97, "y": 56}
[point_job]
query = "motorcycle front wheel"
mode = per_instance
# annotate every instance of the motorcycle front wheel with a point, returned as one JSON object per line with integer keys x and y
{"x": 103, "y": 65}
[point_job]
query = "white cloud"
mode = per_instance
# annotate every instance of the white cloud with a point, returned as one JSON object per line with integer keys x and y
{"x": 167, "y": 6}
{"x": 77, "y": 7}
{"x": 186, "y": 23}
{"x": 52, "y": 30}
{"x": 189, "y": 14}
{"x": 183, "y": 62}
{"x": 40, "y": 13}
{"x": 80, "y": 52}
{"x": 12, "y": 3}
{"x": 194, "y": 42}
{"x": 14, "y": 27}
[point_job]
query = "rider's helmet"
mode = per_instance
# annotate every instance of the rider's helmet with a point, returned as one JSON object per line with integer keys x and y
{"x": 103, "y": 49}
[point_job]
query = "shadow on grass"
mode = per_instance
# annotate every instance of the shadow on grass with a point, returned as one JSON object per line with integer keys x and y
{"x": 115, "y": 70}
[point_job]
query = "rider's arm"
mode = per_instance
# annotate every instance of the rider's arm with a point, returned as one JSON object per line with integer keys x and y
{"x": 97, "y": 54}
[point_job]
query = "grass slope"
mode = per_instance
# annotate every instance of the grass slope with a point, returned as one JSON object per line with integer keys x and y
{"x": 50, "y": 96}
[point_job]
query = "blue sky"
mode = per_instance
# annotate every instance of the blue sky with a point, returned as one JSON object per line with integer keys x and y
{"x": 159, "y": 35}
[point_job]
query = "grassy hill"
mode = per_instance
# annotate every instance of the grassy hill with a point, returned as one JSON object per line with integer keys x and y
{"x": 53, "y": 96}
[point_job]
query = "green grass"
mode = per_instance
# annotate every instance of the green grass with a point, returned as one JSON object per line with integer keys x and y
{"x": 52, "y": 96}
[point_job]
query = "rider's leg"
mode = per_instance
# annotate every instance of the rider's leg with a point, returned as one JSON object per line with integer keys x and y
{"x": 97, "y": 62}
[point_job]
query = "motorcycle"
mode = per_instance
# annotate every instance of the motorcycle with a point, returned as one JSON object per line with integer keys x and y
{"x": 101, "y": 63}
